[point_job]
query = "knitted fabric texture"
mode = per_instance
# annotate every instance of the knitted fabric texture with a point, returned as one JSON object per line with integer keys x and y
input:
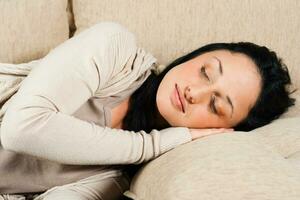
{"x": 11, "y": 77}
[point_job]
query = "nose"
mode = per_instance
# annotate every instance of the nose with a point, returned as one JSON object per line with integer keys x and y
{"x": 196, "y": 94}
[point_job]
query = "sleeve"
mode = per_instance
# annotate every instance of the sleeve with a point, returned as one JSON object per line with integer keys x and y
{"x": 38, "y": 121}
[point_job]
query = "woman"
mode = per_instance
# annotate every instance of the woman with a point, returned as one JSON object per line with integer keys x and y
{"x": 94, "y": 104}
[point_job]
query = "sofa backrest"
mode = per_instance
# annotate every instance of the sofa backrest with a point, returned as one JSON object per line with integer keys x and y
{"x": 30, "y": 29}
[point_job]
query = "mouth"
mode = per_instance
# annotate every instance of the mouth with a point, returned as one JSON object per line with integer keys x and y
{"x": 180, "y": 98}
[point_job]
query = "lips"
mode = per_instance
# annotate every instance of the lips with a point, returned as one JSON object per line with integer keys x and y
{"x": 180, "y": 98}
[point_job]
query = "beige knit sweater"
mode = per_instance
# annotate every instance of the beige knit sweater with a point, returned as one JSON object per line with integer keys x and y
{"x": 57, "y": 127}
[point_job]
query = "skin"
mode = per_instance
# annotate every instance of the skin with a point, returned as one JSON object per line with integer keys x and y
{"x": 240, "y": 81}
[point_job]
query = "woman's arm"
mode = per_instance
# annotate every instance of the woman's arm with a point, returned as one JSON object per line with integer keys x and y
{"x": 39, "y": 122}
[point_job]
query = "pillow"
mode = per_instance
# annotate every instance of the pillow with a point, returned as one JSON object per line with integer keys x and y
{"x": 30, "y": 29}
{"x": 283, "y": 135}
{"x": 239, "y": 165}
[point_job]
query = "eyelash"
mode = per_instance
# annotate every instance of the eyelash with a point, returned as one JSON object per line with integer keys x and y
{"x": 213, "y": 107}
{"x": 212, "y": 103}
{"x": 204, "y": 72}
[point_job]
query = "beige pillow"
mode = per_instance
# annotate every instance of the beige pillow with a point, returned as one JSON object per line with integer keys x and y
{"x": 283, "y": 135}
{"x": 171, "y": 28}
{"x": 227, "y": 166}
{"x": 29, "y": 29}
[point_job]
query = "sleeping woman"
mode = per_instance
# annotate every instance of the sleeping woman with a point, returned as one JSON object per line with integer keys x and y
{"x": 97, "y": 102}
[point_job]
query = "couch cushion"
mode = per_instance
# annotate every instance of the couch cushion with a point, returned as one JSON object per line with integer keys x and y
{"x": 227, "y": 166}
{"x": 283, "y": 135}
{"x": 171, "y": 28}
{"x": 29, "y": 29}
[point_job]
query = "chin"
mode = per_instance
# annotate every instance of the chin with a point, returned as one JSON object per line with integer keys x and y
{"x": 164, "y": 104}
{"x": 170, "y": 117}
{"x": 164, "y": 110}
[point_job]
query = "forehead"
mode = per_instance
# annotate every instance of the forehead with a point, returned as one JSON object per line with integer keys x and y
{"x": 228, "y": 57}
{"x": 232, "y": 62}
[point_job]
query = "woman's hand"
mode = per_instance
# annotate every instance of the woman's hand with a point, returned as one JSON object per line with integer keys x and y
{"x": 198, "y": 133}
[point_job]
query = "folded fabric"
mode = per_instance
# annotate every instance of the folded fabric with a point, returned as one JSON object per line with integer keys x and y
{"x": 11, "y": 77}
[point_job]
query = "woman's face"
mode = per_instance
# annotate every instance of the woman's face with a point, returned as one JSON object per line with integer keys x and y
{"x": 232, "y": 79}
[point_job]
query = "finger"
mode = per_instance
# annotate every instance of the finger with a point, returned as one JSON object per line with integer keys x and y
{"x": 226, "y": 129}
{"x": 212, "y": 132}
{"x": 221, "y": 131}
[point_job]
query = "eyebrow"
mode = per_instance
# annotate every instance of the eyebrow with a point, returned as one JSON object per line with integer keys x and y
{"x": 227, "y": 97}
{"x": 220, "y": 65}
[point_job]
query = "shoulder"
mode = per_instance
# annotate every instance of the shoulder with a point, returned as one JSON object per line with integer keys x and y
{"x": 108, "y": 29}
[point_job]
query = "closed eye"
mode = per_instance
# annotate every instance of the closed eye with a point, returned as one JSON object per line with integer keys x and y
{"x": 204, "y": 72}
{"x": 213, "y": 105}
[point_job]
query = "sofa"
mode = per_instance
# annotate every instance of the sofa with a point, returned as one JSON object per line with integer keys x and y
{"x": 263, "y": 164}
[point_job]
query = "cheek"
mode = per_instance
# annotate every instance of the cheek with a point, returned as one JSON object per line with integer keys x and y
{"x": 198, "y": 116}
{"x": 202, "y": 118}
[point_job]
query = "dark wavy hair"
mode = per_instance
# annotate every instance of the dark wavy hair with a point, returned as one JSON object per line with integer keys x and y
{"x": 273, "y": 99}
